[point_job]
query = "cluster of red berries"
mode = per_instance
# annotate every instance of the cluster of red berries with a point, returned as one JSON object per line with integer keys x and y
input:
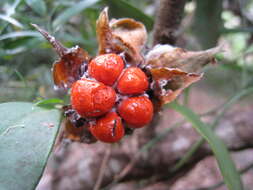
{"x": 111, "y": 95}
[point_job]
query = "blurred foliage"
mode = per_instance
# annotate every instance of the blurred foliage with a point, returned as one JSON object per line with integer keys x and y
{"x": 207, "y": 11}
{"x": 26, "y": 58}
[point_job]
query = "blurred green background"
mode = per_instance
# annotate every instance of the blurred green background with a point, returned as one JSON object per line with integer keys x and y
{"x": 26, "y": 58}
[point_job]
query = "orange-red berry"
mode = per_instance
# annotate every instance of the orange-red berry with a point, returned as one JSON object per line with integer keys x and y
{"x": 108, "y": 129}
{"x": 136, "y": 111}
{"x": 106, "y": 68}
{"x": 91, "y": 98}
{"x": 133, "y": 81}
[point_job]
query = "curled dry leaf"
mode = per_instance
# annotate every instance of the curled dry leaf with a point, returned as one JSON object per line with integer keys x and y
{"x": 173, "y": 69}
{"x": 174, "y": 57}
{"x": 169, "y": 83}
{"x": 104, "y": 33}
{"x": 71, "y": 65}
{"x": 121, "y": 36}
{"x": 130, "y": 31}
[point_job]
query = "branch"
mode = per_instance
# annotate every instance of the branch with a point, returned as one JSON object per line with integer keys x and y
{"x": 167, "y": 21}
{"x": 103, "y": 168}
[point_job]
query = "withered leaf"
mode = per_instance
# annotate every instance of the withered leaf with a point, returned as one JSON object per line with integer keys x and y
{"x": 104, "y": 33}
{"x": 70, "y": 67}
{"x": 130, "y": 31}
{"x": 170, "y": 82}
{"x": 121, "y": 36}
{"x": 174, "y": 57}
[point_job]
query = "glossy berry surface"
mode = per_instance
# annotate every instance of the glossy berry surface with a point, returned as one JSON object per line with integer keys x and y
{"x": 133, "y": 81}
{"x": 108, "y": 129}
{"x": 94, "y": 98}
{"x": 91, "y": 98}
{"x": 136, "y": 111}
{"x": 106, "y": 68}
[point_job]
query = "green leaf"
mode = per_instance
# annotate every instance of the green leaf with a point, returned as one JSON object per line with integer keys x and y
{"x": 20, "y": 34}
{"x": 121, "y": 8}
{"x": 222, "y": 111}
{"x": 49, "y": 103}
{"x": 11, "y": 20}
{"x": 237, "y": 30}
{"x": 73, "y": 10}
{"x": 37, "y": 6}
{"x": 21, "y": 77}
{"x": 202, "y": 19}
{"x": 230, "y": 174}
{"x": 27, "y": 134}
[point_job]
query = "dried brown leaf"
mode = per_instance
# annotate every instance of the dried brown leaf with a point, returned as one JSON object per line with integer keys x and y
{"x": 104, "y": 33}
{"x": 169, "y": 83}
{"x": 173, "y": 57}
{"x": 70, "y": 67}
{"x": 130, "y": 31}
{"x": 121, "y": 36}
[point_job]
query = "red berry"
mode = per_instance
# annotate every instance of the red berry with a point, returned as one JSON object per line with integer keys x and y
{"x": 136, "y": 111}
{"x": 108, "y": 129}
{"x": 133, "y": 81}
{"x": 90, "y": 98}
{"x": 106, "y": 68}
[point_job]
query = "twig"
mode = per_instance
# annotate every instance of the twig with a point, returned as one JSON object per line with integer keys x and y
{"x": 102, "y": 168}
{"x": 167, "y": 21}
{"x": 59, "y": 48}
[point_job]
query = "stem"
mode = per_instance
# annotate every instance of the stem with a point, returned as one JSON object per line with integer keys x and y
{"x": 102, "y": 168}
{"x": 167, "y": 21}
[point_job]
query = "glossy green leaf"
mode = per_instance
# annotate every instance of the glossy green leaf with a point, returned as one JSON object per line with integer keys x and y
{"x": 230, "y": 174}
{"x": 73, "y": 10}
{"x": 27, "y": 134}
{"x": 37, "y": 6}
{"x": 121, "y": 8}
